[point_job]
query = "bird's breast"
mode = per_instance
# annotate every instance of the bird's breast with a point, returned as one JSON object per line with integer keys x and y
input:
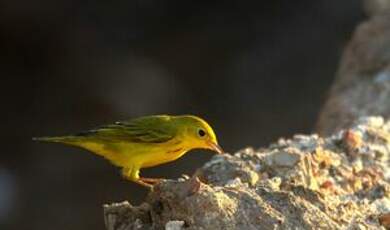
{"x": 163, "y": 155}
{"x": 175, "y": 151}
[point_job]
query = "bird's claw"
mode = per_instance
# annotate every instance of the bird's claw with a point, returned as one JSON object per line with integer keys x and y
{"x": 140, "y": 182}
{"x": 149, "y": 182}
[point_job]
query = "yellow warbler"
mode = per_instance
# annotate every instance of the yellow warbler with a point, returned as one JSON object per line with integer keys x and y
{"x": 144, "y": 142}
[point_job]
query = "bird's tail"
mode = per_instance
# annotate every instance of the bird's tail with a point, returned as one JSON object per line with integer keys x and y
{"x": 78, "y": 141}
{"x": 70, "y": 140}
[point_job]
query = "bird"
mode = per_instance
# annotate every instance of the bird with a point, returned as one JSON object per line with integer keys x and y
{"x": 144, "y": 142}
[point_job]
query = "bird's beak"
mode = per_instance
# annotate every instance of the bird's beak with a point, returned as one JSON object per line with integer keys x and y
{"x": 215, "y": 147}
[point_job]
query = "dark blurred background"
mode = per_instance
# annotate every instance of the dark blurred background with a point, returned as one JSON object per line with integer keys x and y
{"x": 256, "y": 70}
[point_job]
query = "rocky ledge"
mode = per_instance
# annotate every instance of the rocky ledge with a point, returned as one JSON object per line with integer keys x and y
{"x": 307, "y": 182}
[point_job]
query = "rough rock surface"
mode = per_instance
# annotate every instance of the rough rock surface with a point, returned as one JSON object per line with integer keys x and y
{"x": 362, "y": 86}
{"x": 307, "y": 182}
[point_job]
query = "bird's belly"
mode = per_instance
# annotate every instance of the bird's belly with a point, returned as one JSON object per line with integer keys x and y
{"x": 161, "y": 157}
{"x": 134, "y": 154}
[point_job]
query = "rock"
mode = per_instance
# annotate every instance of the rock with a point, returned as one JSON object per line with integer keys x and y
{"x": 362, "y": 85}
{"x": 307, "y": 182}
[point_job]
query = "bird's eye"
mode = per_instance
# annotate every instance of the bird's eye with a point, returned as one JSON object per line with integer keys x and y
{"x": 201, "y": 133}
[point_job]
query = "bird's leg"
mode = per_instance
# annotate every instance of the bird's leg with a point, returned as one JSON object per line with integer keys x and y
{"x": 132, "y": 174}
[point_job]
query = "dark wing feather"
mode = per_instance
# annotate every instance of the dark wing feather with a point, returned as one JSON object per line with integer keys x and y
{"x": 150, "y": 129}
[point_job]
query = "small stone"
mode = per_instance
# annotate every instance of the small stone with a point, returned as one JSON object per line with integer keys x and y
{"x": 258, "y": 167}
{"x": 174, "y": 225}
{"x": 384, "y": 220}
{"x": 382, "y": 205}
{"x": 327, "y": 184}
{"x": 185, "y": 176}
{"x": 253, "y": 178}
{"x": 215, "y": 160}
{"x": 382, "y": 78}
{"x": 283, "y": 158}
{"x": 273, "y": 183}
{"x": 236, "y": 182}
{"x": 371, "y": 121}
{"x": 325, "y": 158}
{"x": 137, "y": 224}
{"x": 352, "y": 139}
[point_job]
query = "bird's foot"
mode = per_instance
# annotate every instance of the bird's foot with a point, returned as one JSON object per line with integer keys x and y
{"x": 145, "y": 184}
{"x": 151, "y": 181}
{"x": 148, "y": 182}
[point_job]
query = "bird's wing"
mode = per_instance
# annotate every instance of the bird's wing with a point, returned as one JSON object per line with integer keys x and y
{"x": 150, "y": 129}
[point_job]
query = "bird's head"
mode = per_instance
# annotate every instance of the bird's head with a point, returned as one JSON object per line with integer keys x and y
{"x": 199, "y": 134}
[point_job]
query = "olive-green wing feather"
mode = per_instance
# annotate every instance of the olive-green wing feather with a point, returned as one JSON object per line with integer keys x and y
{"x": 150, "y": 129}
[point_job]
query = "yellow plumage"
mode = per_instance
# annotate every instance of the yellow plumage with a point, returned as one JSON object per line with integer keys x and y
{"x": 144, "y": 142}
